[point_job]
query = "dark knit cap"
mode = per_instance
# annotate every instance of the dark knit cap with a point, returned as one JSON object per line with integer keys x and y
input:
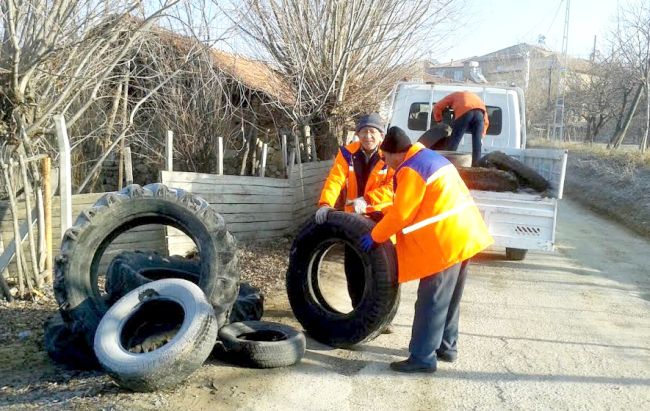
{"x": 370, "y": 120}
{"x": 396, "y": 141}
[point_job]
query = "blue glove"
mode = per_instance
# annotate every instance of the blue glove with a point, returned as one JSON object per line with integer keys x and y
{"x": 367, "y": 243}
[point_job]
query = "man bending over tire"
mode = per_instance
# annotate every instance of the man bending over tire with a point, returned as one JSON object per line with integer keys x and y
{"x": 360, "y": 171}
{"x": 438, "y": 229}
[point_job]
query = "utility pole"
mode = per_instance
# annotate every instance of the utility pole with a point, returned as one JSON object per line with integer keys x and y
{"x": 558, "y": 116}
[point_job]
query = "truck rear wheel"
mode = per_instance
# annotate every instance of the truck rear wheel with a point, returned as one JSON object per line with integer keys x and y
{"x": 516, "y": 254}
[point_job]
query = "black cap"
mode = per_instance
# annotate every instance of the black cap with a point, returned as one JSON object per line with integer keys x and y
{"x": 370, "y": 120}
{"x": 396, "y": 141}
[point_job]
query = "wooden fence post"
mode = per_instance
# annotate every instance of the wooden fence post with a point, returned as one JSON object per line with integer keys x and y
{"x": 263, "y": 165}
{"x": 292, "y": 160}
{"x": 283, "y": 148}
{"x": 47, "y": 205}
{"x": 128, "y": 166}
{"x": 220, "y": 156}
{"x": 297, "y": 143}
{"x": 65, "y": 174}
{"x": 169, "y": 150}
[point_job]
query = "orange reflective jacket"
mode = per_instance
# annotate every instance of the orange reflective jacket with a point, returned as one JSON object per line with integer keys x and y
{"x": 378, "y": 192}
{"x": 434, "y": 216}
{"x": 461, "y": 102}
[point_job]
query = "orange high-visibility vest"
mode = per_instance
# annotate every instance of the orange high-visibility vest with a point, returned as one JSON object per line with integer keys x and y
{"x": 461, "y": 102}
{"x": 378, "y": 192}
{"x": 434, "y": 216}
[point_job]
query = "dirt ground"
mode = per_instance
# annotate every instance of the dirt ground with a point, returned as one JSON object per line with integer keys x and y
{"x": 563, "y": 330}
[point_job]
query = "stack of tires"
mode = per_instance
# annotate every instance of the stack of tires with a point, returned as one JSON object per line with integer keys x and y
{"x": 161, "y": 316}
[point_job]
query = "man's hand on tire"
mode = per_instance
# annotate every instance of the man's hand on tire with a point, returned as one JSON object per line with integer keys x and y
{"x": 367, "y": 243}
{"x": 321, "y": 214}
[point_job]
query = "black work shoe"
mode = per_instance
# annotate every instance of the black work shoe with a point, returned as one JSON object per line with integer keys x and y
{"x": 408, "y": 366}
{"x": 447, "y": 356}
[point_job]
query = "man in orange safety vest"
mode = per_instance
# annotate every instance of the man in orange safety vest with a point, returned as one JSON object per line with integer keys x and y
{"x": 438, "y": 228}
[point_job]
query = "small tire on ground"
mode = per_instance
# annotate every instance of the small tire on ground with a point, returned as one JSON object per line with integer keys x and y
{"x": 527, "y": 176}
{"x": 262, "y": 344}
{"x": 515, "y": 254}
{"x": 65, "y": 348}
{"x": 380, "y": 298}
{"x": 75, "y": 285}
{"x": 173, "y": 308}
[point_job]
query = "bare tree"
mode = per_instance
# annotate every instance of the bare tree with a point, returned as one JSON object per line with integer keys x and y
{"x": 632, "y": 42}
{"x": 340, "y": 57}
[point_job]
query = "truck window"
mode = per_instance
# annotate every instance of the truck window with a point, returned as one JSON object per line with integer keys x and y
{"x": 419, "y": 112}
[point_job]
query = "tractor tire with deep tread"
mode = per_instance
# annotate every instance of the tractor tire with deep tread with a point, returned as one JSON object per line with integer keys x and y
{"x": 380, "y": 298}
{"x": 75, "y": 286}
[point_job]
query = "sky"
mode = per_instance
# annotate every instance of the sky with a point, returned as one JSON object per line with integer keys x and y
{"x": 490, "y": 25}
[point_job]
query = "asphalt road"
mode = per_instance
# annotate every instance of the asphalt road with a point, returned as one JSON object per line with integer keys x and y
{"x": 563, "y": 330}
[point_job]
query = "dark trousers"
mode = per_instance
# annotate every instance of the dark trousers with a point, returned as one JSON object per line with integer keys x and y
{"x": 471, "y": 122}
{"x": 437, "y": 311}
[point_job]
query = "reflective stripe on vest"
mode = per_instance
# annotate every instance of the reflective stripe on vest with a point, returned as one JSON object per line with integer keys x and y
{"x": 436, "y": 218}
{"x": 433, "y": 177}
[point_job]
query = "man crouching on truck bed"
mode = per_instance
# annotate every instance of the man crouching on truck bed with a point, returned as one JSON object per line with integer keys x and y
{"x": 438, "y": 229}
{"x": 368, "y": 184}
{"x": 470, "y": 115}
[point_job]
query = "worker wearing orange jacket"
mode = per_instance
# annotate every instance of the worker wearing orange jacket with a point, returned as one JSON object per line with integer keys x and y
{"x": 438, "y": 229}
{"x": 470, "y": 115}
{"x": 368, "y": 185}
{"x": 359, "y": 169}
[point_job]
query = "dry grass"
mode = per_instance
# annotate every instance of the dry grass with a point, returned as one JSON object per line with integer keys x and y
{"x": 615, "y": 183}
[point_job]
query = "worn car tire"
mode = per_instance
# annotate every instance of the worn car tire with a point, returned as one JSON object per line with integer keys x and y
{"x": 75, "y": 285}
{"x": 262, "y": 344}
{"x": 177, "y": 305}
{"x": 380, "y": 298}
{"x": 66, "y": 348}
{"x": 131, "y": 269}
{"x": 527, "y": 176}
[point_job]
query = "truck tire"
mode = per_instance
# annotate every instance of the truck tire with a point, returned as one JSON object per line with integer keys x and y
{"x": 526, "y": 175}
{"x": 131, "y": 269}
{"x": 172, "y": 308}
{"x": 262, "y": 344}
{"x": 66, "y": 348}
{"x": 488, "y": 179}
{"x": 380, "y": 297}
{"x": 75, "y": 285}
{"x": 515, "y": 254}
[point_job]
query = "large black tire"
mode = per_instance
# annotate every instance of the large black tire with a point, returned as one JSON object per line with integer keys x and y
{"x": 380, "y": 298}
{"x": 130, "y": 269}
{"x": 75, "y": 285}
{"x": 66, "y": 348}
{"x": 262, "y": 344}
{"x": 527, "y": 176}
{"x": 174, "y": 310}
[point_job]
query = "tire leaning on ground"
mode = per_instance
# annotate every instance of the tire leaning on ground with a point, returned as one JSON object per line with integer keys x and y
{"x": 262, "y": 344}
{"x": 380, "y": 299}
{"x": 172, "y": 311}
{"x": 130, "y": 269}
{"x": 75, "y": 285}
